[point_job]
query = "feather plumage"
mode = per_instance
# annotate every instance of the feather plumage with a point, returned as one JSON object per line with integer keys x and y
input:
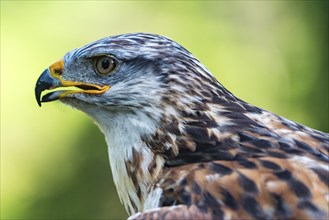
{"x": 181, "y": 146}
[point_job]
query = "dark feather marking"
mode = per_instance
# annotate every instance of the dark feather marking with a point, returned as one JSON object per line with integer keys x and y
{"x": 226, "y": 144}
{"x": 247, "y": 164}
{"x": 284, "y": 175}
{"x": 139, "y": 192}
{"x": 262, "y": 143}
{"x": 229, "y": 199}
{"x": 277, "y": 154}
{"x": 239, "y": 119}
{"x": 183, "y": 183}
{"x": 245, "y": 137}
{"x": 133, "y": 206}
{"x": 221, "y": 92}
{"x": 286, "y": 147}
{"x": 247, "y": 184}
{"x": 206, "y": 94}
{"x": 198, "y": 133}
{"x": 201, "y": 166}
{"x": 185, "y": 197}
{"x": 304, "y": 146}
{"x": 299, "y": 188}
{"x": 202, "y": 123}
{"x": 168, "y": 153}
{"x": 213, "y": 145}
{"x": 156, "y": 143}
{"x": 196, "y": 188}
{"x": 296, "y": 186}
{"x": 212, "y": 201}
{"x": 173, "y": 127}
{"x": 132, "y": 173}
{"x": 326, "y": 147}
{"x": 216, "y": 99}
{"x": 305, "y": 204}
{"x": 202, "y": 206}
{"x": 323, "y": 175}
{"x": 197, "y": 157}
{"x": 184, "y": 145}
{"x": 293, "y": 151}
{"x": 319, "y": 136}
{"x": 167, "y": 201}
{"x": 217, "y": 213}
{"x": 218, "y": 168}
{"x": 202, "y": 146}
{"x": 151, "y": 167}
{"x": 282, "y": 211}
{"x": 270, "y": 165}
{"x": 312, "y": 151}
{"x": 250, "y": 204}
{"x": 203, "y": 107}
{"x": 251, "y": 108}
{"x": 251, "y": 150}
{"x": 263, "y": 131}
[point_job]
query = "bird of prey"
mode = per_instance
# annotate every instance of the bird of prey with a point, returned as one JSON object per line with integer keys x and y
{"x": 180, "y": 145}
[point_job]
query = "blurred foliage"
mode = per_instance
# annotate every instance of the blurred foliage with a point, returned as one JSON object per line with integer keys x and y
{"x": 54, "y": 163}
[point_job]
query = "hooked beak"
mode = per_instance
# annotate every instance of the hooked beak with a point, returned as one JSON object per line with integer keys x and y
{"x": 51, "y": 78}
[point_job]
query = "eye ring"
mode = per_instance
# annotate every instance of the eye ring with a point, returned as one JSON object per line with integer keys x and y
{"x": 105, "y": 65}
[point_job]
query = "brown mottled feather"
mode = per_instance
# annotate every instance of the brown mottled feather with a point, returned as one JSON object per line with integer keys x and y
{"x": 270, "y": 188}
{"x": 242, "y": 164}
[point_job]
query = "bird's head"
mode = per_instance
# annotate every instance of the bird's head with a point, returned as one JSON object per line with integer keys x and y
{"x": 129, "y": 72}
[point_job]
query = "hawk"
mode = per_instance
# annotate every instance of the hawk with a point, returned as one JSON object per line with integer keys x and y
{"x": 180, "y": 145}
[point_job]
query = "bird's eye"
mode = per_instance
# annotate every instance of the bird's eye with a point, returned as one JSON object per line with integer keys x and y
{"x": 104, "y": 65}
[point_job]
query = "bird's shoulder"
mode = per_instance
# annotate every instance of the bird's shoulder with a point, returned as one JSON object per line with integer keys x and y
{"x": 227, "y": 159}
{"x": 242, "y": 130}
{"x": 248, "y": 164}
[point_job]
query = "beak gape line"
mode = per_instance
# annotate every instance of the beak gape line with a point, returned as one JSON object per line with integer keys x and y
{"x": 51, "y": 79}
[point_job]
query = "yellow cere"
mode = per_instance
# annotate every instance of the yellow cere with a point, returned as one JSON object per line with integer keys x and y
{"x": 56, "y": 69}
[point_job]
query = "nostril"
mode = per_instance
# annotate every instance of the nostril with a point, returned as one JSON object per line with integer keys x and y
{"x": 58, "y": 72}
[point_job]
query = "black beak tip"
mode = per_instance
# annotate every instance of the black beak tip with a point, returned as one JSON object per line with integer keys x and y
{"x": 38, "y": 95}
{"x": 39, "y": 101}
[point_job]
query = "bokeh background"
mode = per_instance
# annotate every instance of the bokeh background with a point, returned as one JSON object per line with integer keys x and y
{"x": 54, "y": 162}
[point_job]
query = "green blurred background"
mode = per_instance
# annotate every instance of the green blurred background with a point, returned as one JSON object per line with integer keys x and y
{"x": 54, "y": 162}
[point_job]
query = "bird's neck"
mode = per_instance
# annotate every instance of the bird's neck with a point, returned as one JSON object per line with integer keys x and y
{"x": 135, "y": 168}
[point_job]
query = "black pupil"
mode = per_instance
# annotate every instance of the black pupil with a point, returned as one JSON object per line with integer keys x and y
{"x": 105, "y": 64}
